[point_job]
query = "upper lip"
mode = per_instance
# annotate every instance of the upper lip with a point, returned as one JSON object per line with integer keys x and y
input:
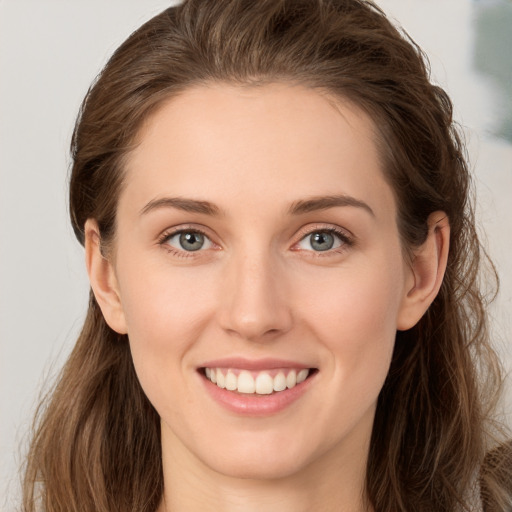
{"x": 253, "y": 364}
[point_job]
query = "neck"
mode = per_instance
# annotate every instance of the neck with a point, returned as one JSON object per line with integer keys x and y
{"x": 325, "y": 485}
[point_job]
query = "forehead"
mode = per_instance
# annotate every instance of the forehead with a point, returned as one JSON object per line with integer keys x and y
{"x": 261, "y": 144}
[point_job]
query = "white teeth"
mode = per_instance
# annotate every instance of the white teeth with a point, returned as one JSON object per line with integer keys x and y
{"x": 263, "y": 384}
{"x": 291, "y": 379}
{"x": 301, "y": 376}
{"x": 221, "y": 380}
{"x": 246, "y": 383}
{"x": 279, "y": 382}
{"x": 231, "y": 381}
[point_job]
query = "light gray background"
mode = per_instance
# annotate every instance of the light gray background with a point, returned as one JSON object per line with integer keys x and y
{"x": 51, "y": 50}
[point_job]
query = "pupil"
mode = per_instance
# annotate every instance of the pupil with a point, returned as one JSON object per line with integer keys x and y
{"x": 191, "y": 241}
{"x": 322, "y": 241}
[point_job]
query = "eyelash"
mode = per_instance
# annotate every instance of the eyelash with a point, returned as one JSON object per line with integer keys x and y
{"x": 167, "y": 235}
{"x": 346, "y": 240}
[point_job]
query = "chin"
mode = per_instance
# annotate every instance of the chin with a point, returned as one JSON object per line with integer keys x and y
{"x": 258, "y": 469}
{"x": 260, "y": 460}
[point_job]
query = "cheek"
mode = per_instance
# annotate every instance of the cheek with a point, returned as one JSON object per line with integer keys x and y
{"x": 160, "y": 301}
{"x": 166, "y": 311}
{"x": 363, "y": 297}
{"x": 354, "y": 314}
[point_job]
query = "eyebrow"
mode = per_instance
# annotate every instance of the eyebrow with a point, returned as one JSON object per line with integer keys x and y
{"x": 181, "y": 203}
{"x": 297, "y": 208}
{"x": 324, "y": 202}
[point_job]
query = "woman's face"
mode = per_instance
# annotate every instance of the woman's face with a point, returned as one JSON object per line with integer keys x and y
{"x": 257, "y": 242}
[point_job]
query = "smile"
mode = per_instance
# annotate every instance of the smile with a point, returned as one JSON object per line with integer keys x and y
{"x": 263, "y": 382}
{"x": 256, "y": 387}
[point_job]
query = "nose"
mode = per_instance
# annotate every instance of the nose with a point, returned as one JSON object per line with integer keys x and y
{"x": 254, "y": 305}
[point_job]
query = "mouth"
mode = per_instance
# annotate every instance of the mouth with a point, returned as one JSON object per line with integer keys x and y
{"x": 264, "y": 382}
{"x": 256, "y": 387}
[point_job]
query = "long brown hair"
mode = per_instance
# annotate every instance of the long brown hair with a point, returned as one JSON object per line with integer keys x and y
{"x": 97, "y": 443}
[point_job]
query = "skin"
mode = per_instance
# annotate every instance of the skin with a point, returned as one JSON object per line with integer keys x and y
{"x": 258, "y": 289}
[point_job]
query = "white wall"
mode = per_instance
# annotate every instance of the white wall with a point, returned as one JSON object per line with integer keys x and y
{"x": 50, "y": 50}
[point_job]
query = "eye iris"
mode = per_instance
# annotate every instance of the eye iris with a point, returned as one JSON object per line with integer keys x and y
{"x": 322, "y": 241}
{"x": 191, "y": 241}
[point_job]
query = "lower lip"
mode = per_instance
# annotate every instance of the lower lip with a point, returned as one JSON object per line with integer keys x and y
{"x": 253, "y": 404}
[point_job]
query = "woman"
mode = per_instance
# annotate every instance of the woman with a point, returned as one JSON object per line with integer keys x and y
{"x": 285, "y": 312}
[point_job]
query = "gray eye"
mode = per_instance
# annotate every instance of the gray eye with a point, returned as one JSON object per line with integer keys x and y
{"x": 191, "y": 240}
{"x": 322, "y": 241}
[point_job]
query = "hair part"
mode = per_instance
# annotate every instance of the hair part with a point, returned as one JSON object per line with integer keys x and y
{"x": 427, "y": 448}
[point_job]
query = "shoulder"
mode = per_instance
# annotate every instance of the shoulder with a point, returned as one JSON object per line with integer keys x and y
{"x": 496, "y": 479}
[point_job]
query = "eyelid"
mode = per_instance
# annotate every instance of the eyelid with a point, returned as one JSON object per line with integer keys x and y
{"x": 169, "y": 232}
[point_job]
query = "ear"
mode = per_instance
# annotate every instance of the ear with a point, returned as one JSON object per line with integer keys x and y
{"x": 103, "y": 279}
{"x": 426, "y": 272}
